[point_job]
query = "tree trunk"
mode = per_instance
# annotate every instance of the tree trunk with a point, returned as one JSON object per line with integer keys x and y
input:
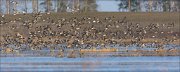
{"x": 129, "y": 5}
{"x": 61, "y": 6}
{"x": 150, "y": 5}
{"x": 166, "y": 6}
{"x": 77, "y": 5}
{"x": 14, "y": 7}
{"x": 172, "y": 5}
{"x": 86, "y": 6}
{"x": 25, "y": 4}
{"x": 0, "y": 7}
{"x": 35, "y": 6}
{"x": 177, "y": 5}
{"x": 56, "y": 5}
{"x": 48, "y": 5}
{"x": 7, "y": 6}
{"x": 139, "y": 6}
{"x": 72, "y": 5}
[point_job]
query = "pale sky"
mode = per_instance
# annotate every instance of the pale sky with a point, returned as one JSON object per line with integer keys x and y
{"x": 107, "y": 5}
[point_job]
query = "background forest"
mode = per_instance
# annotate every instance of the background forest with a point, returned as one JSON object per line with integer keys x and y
{"x": 34, "y": 6}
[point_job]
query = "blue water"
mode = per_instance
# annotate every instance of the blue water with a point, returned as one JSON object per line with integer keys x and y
{"x": 100, "y": 64}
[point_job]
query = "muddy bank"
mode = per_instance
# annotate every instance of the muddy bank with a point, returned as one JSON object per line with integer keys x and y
{"x": 23, "y": 24}
{"x": 89, "y": 28}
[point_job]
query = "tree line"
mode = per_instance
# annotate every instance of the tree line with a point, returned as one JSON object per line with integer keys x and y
{"x": 12, "y": 6}
{"x": 149, "y": 5}
{"x": 47, "y": 6}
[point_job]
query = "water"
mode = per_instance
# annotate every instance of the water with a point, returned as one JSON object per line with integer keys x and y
{"x": 41, "y": 60}
{"x": 93, "y": 64}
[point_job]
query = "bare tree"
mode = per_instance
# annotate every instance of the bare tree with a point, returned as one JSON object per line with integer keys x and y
{"x": 123, "y": 5}
{"x": 61, "y": 5}
{"x": 135, "y": 6}
{"x": 47, "y": 5}
{"x": 89, "y": 5}
{"x": 166, "y": 5}
{"x": 174, "y": 5}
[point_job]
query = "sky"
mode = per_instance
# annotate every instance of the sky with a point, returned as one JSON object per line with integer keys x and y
{"x": 107, "y": 5}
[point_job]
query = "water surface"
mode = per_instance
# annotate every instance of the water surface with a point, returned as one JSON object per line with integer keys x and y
{"x": 107, "y": 64}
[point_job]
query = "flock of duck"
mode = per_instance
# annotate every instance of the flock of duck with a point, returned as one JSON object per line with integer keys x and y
{"x": 84, "y": 34}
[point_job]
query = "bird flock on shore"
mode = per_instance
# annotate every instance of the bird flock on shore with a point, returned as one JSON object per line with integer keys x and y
{"x": 78, "y": 33}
